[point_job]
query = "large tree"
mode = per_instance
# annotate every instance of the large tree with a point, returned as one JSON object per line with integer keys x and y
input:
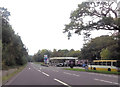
{"x": 39, "y": 56}
{"x": 89, "y": 16}
{"x": 13, "y": 49}
{"x": 96, "y": 48}
{"x": 94, "y": 16}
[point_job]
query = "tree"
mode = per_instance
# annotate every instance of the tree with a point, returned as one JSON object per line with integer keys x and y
{"x": 62, "y": 53}
{"x": 89, "y": 16}
{"x": 105, "y": 54}
{"x": 93, "y": 48}
{"x": 4, "y": 13}
{"x": 73, "y": 53}
{"x": 39, "y": 56}
{"x": 13, "y": 49}
{"x": 94, "y": 15}
{"x": 29, "y": 58}
{"x": 54, "y": 53}
{"x": 115, "y": 52}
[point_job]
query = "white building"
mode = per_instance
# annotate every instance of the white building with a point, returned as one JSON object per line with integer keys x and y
{"x": 56, "y": 60}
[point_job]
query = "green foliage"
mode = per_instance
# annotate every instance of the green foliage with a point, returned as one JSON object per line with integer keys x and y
{"x": 93, "y": 48}
{"x": 105, "y": 54}
{"x": 13, "y": 49}
{"x": 93, "y": 16}
{"x": 39, "y": 56}
{"x": 73, "y": 53}
{"x": 89, "y": 16}
{"x": 29, "y": 58}
{"x": 65, "y": 53}
{"x": 115, "y": 51}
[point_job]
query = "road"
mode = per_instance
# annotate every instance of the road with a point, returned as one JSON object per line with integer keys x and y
{"x": 35, "y": 74}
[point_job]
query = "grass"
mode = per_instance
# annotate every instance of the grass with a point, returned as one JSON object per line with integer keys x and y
{"x": 8, "y": 76}
{"x": 74, "y": 69}
{"x": 95, "y": 71}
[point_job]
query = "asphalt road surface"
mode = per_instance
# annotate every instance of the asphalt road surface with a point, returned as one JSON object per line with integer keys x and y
{"x": 35, "y": 74}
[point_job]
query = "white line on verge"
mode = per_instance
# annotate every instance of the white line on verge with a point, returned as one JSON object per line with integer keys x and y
{"x": 45, "y": 74}
{"x": 62, "y": 82}
{"x": 106, "y": 81}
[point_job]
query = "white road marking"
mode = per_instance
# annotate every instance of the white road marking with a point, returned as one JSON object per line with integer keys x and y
{"x": 45, "y": 74}
{"x": 106, "y": 81}
{"x": 67, "y": 73}
{"x": 76, "y": 75}
{"x": 29, "y": 68}
{"x": 71, "y": 74}
{"x": 39, "y": 70}
{"x": 62, "y": 82}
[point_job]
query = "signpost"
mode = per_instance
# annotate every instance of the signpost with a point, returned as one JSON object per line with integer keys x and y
{"x": 45, "y": 59}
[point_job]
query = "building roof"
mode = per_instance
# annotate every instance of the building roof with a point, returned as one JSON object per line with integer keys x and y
{"x": 63, "y": 58}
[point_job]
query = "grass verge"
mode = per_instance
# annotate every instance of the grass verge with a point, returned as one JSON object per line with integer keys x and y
{"x": 95, "y": 71}
{"x": 8, "y": 76}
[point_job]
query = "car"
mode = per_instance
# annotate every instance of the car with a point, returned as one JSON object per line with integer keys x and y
{"x": 60, "y": 65}
{"x": 65, "y": 64}
{"x": 84, "y": 65}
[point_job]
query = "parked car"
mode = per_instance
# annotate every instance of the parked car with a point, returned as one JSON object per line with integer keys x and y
{"x": 84, "y": 65}
{"x": 60, "y": 65}
{"x": 65, "y": 64}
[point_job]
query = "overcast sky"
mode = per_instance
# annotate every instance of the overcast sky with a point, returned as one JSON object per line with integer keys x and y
{"x": 40, "y": 23}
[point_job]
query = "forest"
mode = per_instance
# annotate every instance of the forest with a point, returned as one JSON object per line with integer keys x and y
{"x": 14, "y": 52}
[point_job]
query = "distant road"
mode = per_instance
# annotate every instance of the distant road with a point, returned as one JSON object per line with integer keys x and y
{"x": 34, "y": 74}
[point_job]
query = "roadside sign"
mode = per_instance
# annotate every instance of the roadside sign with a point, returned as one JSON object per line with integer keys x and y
{"x": 45, "y": 58}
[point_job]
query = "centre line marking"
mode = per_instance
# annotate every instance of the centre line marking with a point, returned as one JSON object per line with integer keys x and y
{"x": 39, "y": 70}
{"x": 71, "y": 74}
{"x": 68, "y": 73}
{"x": 75, "y": 75}
{"x": 62, "y": 82}
{"x": 45, "y": 74}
